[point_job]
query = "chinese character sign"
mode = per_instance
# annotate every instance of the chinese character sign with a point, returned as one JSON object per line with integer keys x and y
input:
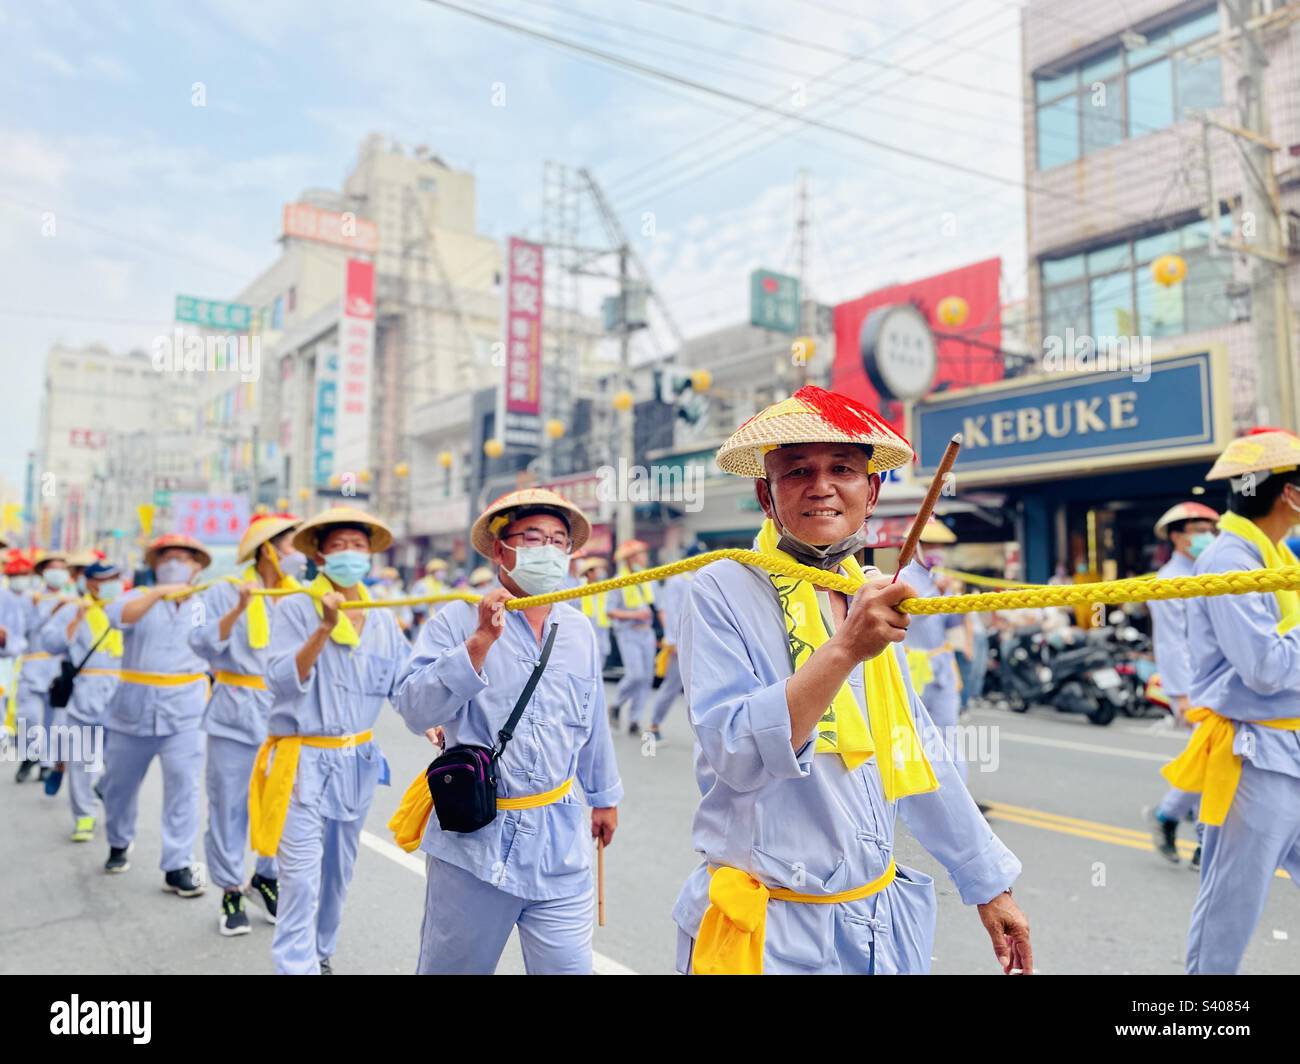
{"x": 327, "y": 369}
{"x": 355, "y": 357}
{"x": 523, "y": 338}
{"x": 331, "y": 227}
{"x": 213, "y": 314}
{"x": 214, "y": 520}
{"x": 774, "y": 301}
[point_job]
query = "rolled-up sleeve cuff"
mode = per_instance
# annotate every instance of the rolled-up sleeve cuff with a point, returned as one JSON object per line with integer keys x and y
{"x": 458, "y": 674}
{"x": 282, "y": 677}
{"x": 769, "y": 719}
{"x": 987, "y": 874}
{"x": 610, "y": 796}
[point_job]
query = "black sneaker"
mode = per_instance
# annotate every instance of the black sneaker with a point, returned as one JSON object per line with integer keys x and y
{"x": 24, "y": 770}
{"x": 1164, "y": 833}
{"x": 1195, "y": 866}
{"x": 234, "y": 921}
{"x": 117, "y": 858}
{"x": 184, "y": 881}
{"x": 634, "y": 729}
{"x": 325, "y": 968}
{"x": 614, "y": 711}
{"x": 657, "y": 736}
{"x": 267, "y": 891}
{"x": 44, "y": 774}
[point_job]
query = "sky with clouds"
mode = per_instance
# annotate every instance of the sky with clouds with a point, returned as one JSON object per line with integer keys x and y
{"x": 151, "y": 195}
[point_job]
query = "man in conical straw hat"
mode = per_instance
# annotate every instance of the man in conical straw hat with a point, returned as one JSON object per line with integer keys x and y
{"x": 810, "y": 736}
{"x": 38, "y": 667}
{"x": 1189, "y": 527}
{"x": 930, "y": 641}
{"x": 1244, "y": 756}
{"x": 530, "y": 867}
{"x": 234, "y": 636}
{"x": 632, "y": 610}
{"x": 156, "y": 712}
{"x": 330, "y": 671}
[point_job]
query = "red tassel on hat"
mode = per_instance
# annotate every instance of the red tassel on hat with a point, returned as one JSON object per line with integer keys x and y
{"x": 843, "y": 413}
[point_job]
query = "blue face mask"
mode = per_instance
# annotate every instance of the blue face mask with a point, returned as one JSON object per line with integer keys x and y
{"x": 293, "y": 565}
{"x": 55, "y": 579}
{"x": 109, "y": 590}
{"x": 346, "y": 567}
{"x": 81, "y": 584}
{"x": 539, "y": 570}
{"x": 1199, "y": 542}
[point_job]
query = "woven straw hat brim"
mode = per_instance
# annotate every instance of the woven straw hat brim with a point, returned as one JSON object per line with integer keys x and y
{"x": 174, "y": 540}
{"x": 307, "y": 538}
{"x": 47, "y": 556}
{"x": 484, "y": 538}
{"x": 588, "y": 564}
{"x": 742, "y": 455}
{"x": 260, "y": 532}
{"x": 437, "y": 565}
{"x": 1264, "y": 452}
{"x": 937, "y": 532}
{"x": 80, "y": 559}
{"x": 1185, "y": 511}
{"x": 630, "y": 547}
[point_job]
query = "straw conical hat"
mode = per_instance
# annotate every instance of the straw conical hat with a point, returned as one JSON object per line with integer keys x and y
{"x": 936, "y": 531}
{"x": 812, "y": 415}
{"x": 262, "y": 529}
{"x": 307, "y": 538}
{"x": 1259, "y": 451}
{"x": 1185, "y": 511}
{"x": 499, "y": 514}
{"x": 177, "y": 539}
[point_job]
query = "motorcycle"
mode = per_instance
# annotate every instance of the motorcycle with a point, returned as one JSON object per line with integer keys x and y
{"x": 1068, "y": 674}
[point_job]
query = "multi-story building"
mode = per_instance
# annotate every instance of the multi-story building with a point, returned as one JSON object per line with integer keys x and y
{"x": 1134, "y": 173}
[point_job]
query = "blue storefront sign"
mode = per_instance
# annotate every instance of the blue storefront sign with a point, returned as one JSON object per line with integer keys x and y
{"x": 1080, "y": 422}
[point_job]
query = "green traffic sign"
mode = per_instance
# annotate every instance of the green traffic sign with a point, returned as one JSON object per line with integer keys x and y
{"x": 774, "y": 301}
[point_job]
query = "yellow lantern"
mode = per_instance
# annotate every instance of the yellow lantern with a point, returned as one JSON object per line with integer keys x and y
{"x": 494, "y": 448}
{"x": 261, "y": 508}
{"x": 364, "y": 476}
{"x": 335, "y": 480}
{"x": 701, "y": 380}
{"x": 953, "y": 311}
{"x": 445, "y": 458}
{"x": 1169, "y": 269}
{"x": 555, "y": 428}
{"x": 282, "y": 504}
{"x": 304, "y": 493}
{"x": 803, "y": 349}
{"x": 401, "y": 470}
{"x": 623, "y": 400}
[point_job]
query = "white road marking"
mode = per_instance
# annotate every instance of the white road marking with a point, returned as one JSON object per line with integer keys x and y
{"x": 1091, "y": 748}
{"x": 601, "y": 964}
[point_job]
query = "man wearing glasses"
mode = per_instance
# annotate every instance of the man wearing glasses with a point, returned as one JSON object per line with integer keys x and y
{"x": 531, "y": 866}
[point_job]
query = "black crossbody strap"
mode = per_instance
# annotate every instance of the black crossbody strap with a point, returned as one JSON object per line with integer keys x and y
{"x": 91, "y": 652}
{"x": 508, "y": 729}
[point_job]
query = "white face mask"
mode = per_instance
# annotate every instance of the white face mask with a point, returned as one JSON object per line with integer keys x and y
{"x": 174, "y": 571}
{"x": 539, "y": 570}
{"x": 293, "y": 564}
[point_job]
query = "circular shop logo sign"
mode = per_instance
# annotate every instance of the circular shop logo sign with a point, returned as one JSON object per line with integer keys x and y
{"x": 898, "y": 351}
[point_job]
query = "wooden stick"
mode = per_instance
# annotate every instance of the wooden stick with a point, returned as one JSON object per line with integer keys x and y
{"x": 600, "y": 882}
{"x": 927, "y": 506}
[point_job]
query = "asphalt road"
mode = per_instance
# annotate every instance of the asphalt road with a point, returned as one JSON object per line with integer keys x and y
{"x": 1066, "y": 797}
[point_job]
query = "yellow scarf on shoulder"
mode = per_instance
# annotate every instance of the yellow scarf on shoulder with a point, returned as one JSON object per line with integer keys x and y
{"x": 259, "y": 623}
{"x": 1207, "y": 766}
{"x": 97, "y": 619}
{"x": 636, "y": 595}
{"x": 344, "y": 634}
{"x": 891, "y": 734}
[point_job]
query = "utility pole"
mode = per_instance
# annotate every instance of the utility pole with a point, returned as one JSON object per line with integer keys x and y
{"x": 801, "y": 252}
{"x": 626, "y": 518}
{"x": 1262, "y": 227}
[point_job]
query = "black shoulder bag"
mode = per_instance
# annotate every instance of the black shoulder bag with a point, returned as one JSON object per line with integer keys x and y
{"x": 61, "y": 685}
{"x": 463, "y": 781}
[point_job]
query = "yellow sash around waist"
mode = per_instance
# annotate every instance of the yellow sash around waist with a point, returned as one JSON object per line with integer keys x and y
{"x": 38, "y": 655}
{"x": 269, "y": 792}
{"x": 730, "y": 939}
{"x": 101, "y": 672}
{"x": 412, "y": 816}
{"x": 161, "y": 679}
{"x": 1208, "y": 767}
{"x": 241, "y": 679}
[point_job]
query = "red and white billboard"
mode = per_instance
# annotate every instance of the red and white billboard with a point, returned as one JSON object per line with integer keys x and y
{"x": 966, "y": 352}
{"x": 307, "y": 222}
{"x": 523, "y": 363}
{"x": 356, "y": 358}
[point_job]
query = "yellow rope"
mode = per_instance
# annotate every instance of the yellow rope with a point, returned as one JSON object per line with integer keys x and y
{"x": 982, "y": 581}
{"x": 1111, "y": 592}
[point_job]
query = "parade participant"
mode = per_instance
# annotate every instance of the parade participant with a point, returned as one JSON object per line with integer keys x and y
{"x": 530, "y": 867}
{"x": 596, "y": 607}
{"x": 330, "y": 671}
{"x": 671, "y": 601}
{"x": 1244, "y": 756}
{"x": 80, "y": 632}
{"x": 1189, "y": 527}
{"x": 632, "y": 610}
{"x": 389, "y": 586}
{"x": 38, "y": 667}
{"x": 234, "y": 637}
{"x": 156, "y": 712}
{"x": 13, "y": 639}
{"x": 929, "y": 642}
{"x": 78, "y": 562}
{"x": 481, "y": 577}
{"x": 810, "y": 737}
{"x": 431, "y": 583}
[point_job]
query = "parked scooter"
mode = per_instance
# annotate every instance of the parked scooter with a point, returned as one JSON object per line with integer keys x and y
{"x": 1040, "y": 670}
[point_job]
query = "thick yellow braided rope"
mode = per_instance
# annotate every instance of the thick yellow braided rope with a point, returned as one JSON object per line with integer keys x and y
{"x": 1111, "y": 592}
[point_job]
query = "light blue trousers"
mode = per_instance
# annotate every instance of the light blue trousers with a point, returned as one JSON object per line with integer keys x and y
{"x": 669, "y": 690}
{"x": 81, "y": 787}
{"x": 316, "y": 858}
{"x": 467, "y": 923}
{"x": 1179, "y": 805}
{"x": 944, "y": 705}
{"x": 225, "y": 843}
{"x": 1260, "y": 834}
{"x": 636, "y": 646}
{"x": 127, "y": 759}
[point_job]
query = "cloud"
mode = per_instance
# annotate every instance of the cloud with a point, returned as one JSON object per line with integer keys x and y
{"x": 51, "y": 60}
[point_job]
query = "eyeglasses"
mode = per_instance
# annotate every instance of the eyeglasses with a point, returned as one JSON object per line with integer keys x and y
{"x": 533, "y": 538}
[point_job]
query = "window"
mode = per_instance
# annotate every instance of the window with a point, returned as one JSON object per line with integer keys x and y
{"x": 1126, "y": 93}
{"x": 1109, "y": 291}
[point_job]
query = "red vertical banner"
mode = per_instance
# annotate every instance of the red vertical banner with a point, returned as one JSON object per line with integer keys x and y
{"x": 522, "y": 385}
{"x": 356, "y": 356}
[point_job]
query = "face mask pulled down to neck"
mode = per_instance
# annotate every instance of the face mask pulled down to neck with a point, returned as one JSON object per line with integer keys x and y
{"x": 539, "y": 570}
{"x": 828, "y": 557}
